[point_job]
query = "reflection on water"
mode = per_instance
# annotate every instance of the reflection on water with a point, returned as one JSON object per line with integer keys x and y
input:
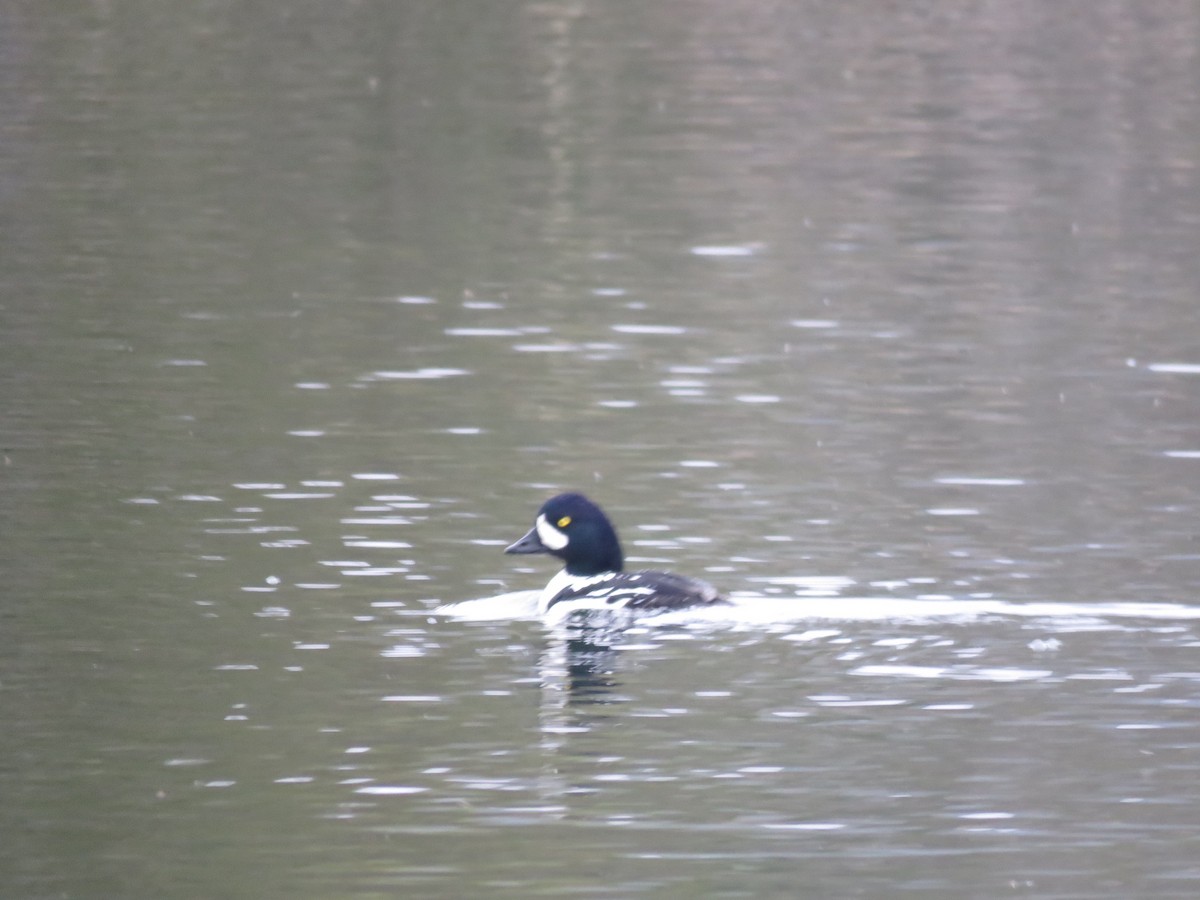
{"x": 580, "y": 666}
{"x": 685, "y": 734}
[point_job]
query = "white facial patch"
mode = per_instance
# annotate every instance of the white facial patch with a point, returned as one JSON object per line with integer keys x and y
{"x": 551, "y": 537}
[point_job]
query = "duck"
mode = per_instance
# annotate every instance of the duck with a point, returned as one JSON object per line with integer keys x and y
{"x": 574, "y": 529}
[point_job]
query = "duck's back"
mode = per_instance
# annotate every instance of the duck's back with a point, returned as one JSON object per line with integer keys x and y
{"x": 645, "y": 590}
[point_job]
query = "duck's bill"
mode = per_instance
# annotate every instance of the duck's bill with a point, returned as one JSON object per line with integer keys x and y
{"x": 530, "y": 543}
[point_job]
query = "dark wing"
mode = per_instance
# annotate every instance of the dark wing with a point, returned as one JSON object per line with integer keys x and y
{"x": 645, "y": 591}
{"x": 670, "y": 591}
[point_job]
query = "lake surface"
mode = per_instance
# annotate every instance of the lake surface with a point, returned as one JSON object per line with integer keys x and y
{"x": 884, "y": 321}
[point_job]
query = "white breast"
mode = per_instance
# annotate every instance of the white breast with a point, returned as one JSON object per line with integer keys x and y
{"x": 564, "y": 580}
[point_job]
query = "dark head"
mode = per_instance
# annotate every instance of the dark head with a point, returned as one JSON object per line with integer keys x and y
{"x": 576, "y": 530}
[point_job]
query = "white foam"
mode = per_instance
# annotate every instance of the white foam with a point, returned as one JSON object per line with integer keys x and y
{"x": 513, "y": 605}
{"x": 758, "y": 611}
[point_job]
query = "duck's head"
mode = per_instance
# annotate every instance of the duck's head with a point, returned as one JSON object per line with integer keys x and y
{"x": 576, "y": 530}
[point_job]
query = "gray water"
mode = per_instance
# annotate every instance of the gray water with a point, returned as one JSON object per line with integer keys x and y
{"x": 881, "y": 318}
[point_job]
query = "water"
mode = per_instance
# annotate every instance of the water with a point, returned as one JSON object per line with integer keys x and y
{"x": 885, "y": 325}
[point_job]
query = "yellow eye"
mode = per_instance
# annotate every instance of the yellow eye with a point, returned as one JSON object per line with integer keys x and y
{"x": 564, "y": 522}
